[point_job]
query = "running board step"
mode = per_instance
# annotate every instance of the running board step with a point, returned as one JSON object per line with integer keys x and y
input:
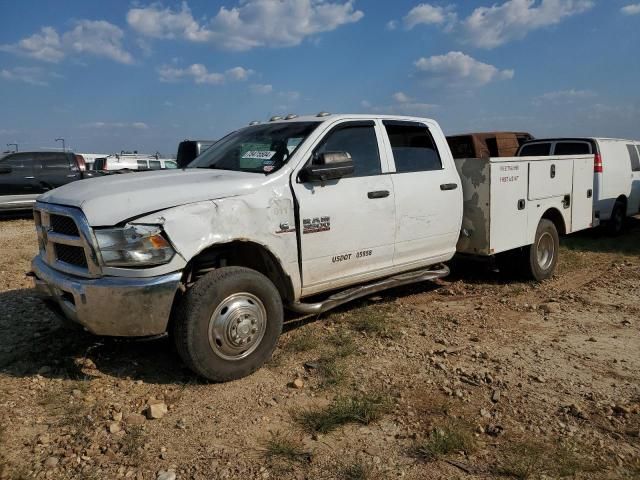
{"x": 345, "y": 296}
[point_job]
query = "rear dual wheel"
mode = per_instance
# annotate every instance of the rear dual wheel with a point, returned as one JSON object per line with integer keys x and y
{"x": 228, "y": 323}
{"x": 541, "y": 258}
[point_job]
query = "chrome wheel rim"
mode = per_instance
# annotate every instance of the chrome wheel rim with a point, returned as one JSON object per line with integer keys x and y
{"x": 237, "y": 326}
{"x": 545, "y": 251}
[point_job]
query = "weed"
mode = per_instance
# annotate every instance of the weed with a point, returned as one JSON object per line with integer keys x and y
{"x": 332, "y": 371}
{"x": 362, "y": 409}
{"x": 444, "y": 440}
{"x": 524, "y": 459}
{"x": 373, "y": 320}
{"x": 280, "y": 446}
{"x": 355, "y": 471}
{"x": 521, "y": 460}
{"x": 343, "y": 343}
{"x": 302, "y": 342}
{"x": 132, "y": 443}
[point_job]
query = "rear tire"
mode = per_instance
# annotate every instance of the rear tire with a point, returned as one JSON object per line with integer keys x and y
{"x": 615, "y": 225}
{"x": 228, "y": 323}
{"x": 541, "y": 258}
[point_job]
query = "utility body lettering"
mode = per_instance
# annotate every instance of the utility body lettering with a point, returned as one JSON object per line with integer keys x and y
{"x": 315, "y": 225}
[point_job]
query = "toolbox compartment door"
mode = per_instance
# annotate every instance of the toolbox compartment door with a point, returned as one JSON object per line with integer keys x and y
{"x": 550, "y": 178}
{"x": 582, "y": 197}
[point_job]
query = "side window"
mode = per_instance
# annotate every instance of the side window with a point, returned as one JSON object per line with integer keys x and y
{"x": 142, "y": 164}
{"x": 536, "y": 150}
{"x": 633, "y": 155}
{"x": 413, "y": 147}
{"x": 170, "y": 164}
{"x": 17, "y": 161}
{"x": 154, "y": 164}
{"x": 572, "y": 148}
{"x": 53, "y": 161}
{"x": 358, "y": 140}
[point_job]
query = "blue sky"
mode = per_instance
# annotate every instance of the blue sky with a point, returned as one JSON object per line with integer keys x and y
{"x": 128, "y": 75}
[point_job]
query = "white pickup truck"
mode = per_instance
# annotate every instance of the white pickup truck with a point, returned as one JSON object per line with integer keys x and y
{"x": 304, "y": 213}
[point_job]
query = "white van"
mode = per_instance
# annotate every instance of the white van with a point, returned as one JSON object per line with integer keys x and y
{"x": 133, "y": 162}
{"x": 616, "y": 183}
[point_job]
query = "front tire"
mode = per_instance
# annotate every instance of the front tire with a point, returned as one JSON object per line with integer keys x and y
{"x": 541, "y": 258}
{"x": 228, "y": 323}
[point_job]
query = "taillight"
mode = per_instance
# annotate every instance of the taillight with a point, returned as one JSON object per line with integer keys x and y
{"x": 597, "y": 163}
{"x": 82, "y": 165}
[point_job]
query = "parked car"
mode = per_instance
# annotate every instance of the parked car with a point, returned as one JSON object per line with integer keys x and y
{"x": 305, "y": 213}
{"x": 133, "y": 161}
{"x": 25, "y": 175}
{"x": 616, "y": 169}
{"x": 188, "y": 150}
{"x": 487, "y": 144}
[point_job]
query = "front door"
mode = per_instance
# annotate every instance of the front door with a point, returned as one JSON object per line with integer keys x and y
{"x": 347, "y": 226}
{"x": 18, "y": 182}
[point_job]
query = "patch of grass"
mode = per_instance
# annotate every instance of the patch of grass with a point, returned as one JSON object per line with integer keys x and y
{"x": 524, "y": 460}
{"x": 444, "y": 440}
{"x": 521, "y": 460}
{"x": 355, "y": 471}
{"x": 374, "y": 320}
{"x": 332, "y": 371}
{"x": 343, "y": 343}
{"x": 302, "y": 342}
{"x": 362, "y": 409}
{"x": 280, "y": 446}
{"x": 132, "y": 443}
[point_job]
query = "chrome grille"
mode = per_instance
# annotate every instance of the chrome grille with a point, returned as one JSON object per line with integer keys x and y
{"x": 66, "y": 240}
{"x": 64, "y": 225}
{"x": 71, "y": 255}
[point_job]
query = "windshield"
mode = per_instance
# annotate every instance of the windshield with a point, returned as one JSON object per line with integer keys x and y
{"x": 259, "y": 149}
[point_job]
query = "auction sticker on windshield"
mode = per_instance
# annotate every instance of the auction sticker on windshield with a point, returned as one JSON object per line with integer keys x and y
{"x": 259, "y": 154}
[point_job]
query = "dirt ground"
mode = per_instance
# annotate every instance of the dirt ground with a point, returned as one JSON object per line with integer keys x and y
{"x": 474, "y": 376}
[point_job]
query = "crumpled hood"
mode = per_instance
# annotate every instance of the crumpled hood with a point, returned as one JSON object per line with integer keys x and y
{"x": 111, "y": 199}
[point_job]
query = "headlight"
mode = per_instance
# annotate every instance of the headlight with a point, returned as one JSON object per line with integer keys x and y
{"x": 134, "y": 246}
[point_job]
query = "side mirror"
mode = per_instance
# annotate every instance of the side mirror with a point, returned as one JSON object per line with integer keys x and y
{"x": 328, "y": 166}
{"x": 5, "y": 169}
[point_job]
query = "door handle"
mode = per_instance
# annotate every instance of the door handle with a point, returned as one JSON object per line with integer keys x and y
{"x": 29, "y": 178}
{"x": 378, "y": 194}
{"x": 448, "y": 186}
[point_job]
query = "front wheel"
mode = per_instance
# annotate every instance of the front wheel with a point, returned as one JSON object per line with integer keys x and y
{"x": 541, "y": 258}
{"x": 228, "y": 323}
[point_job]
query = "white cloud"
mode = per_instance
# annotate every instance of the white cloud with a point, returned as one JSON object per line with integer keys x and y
{"x": 563, "y": 96}
{"x": 99, "y": 38}
{"x": 458, "y": 69}
{"x": 94, "y": 37}
{"x": 156, "y": 22}
{"x": 490, "y": 27}
{"x": 290, "y": 96}
{"x": 391, "y": 25}
{"x": 251, "y": 24}
{"x": 30, "y": 75}
{"x": 44, "y": 45}
{"x": 401, "y": 97}
{"x": 427, "y": 14}
{"x": 261, "y": 89}
{"x": 117, "y": 125}
{"x": 201, "y": 75}
{"x": 631, "y": 9}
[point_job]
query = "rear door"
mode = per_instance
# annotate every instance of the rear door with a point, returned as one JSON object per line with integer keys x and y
{"x": 346, "y": 227}
{"x": 54, "y": 169}
{"x": 634, "y": 198}
{"x": 428, "y": 194}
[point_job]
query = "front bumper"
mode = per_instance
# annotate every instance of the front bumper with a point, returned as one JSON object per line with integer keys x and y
{"x": 113, "y": 306}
